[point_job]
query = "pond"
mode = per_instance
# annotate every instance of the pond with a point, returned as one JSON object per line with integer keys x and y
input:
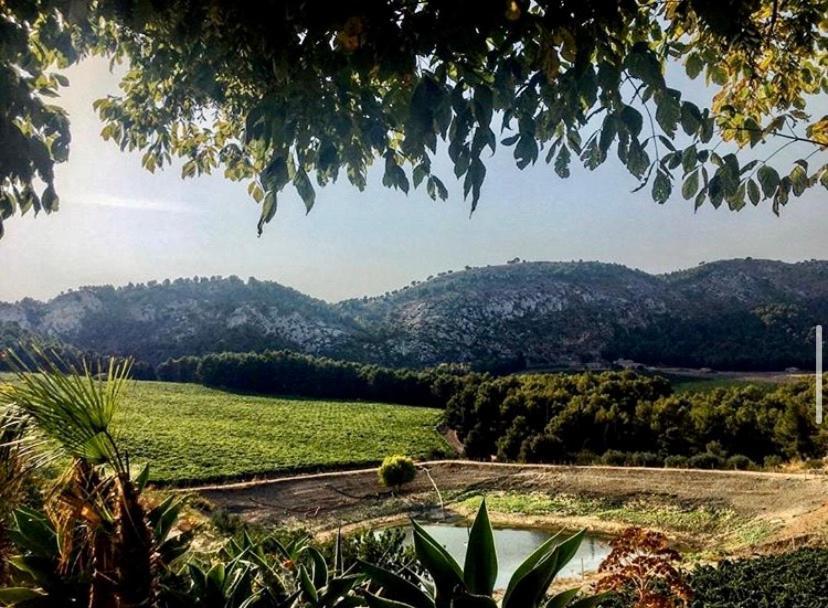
{"x": 514, "y": 545}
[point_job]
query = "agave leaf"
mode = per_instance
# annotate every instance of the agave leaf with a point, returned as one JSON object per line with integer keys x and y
{"x": 523, "y": 569}
{"x": 590, "y": 602}
{"x": 442, "y": 567}
{"x": 530, "y": 588}
{"x": 562, "y": 599}
{"x": 307, "y": 585}
{"x": 480, "y": 572}
{"x": 320, "y": 568}
{"x": 467, "y": 600}
{"x": 12, "y": 596}
{"x": 396, "y": 587}
{"x": 375, "y": 601}
{"x": 143, "y": 478}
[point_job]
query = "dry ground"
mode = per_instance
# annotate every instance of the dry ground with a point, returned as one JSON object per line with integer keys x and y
{"x": 796, "y": 503}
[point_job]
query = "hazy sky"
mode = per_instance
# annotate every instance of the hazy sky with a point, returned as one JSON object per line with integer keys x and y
{"x": 120, "y": 224}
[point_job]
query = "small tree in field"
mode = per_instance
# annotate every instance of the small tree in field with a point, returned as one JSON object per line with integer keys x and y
{"x": 395, "y": 471}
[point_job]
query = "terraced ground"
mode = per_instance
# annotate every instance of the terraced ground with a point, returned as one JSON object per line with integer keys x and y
{"x": 194, "y": 434}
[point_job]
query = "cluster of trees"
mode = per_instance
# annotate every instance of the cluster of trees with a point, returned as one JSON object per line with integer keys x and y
{"x": 766, "y": 338}
{"x": 289, "y": 373}
{"x": 628, "y": 418}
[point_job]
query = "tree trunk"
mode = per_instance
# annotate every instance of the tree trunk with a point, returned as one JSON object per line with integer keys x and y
{"x": 137, "y": 559}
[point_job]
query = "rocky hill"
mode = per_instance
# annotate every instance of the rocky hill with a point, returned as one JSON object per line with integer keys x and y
{"x": 750, "y": 314}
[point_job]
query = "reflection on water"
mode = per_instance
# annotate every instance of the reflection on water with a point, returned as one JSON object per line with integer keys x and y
{"x": 514, "y": 545}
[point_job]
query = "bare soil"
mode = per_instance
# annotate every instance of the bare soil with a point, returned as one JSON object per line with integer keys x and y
{"x": 797, "y": 503}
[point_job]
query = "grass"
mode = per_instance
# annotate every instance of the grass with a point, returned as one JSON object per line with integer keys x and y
{"x": 703, "y": 385}
{"x": 191, "y": 433}
{"x": 649, "y": 514}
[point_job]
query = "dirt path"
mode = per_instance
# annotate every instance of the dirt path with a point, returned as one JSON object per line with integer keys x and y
{"x": 797, "y": 502}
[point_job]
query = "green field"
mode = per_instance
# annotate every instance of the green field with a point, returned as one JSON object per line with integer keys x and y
{"x": 695, "y": 385}
{"x": 192, "y": 433}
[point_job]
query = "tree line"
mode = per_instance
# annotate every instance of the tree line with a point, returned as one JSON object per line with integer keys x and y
{"x": 290, "y": 373}
{"x": 628, "y": 418}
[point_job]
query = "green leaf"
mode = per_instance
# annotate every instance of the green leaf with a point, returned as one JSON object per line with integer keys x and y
{"x": 307, "y": 585}
{"x": 529, "y": 584}
{"x": 694, "y": 65}
{"x": 691, "y": 118}
{"x": 562, "y": 162}
{"x": 320, "y": 568}
{"x": 690, "y": 186}
{"x": 590, "y": 602}
{"x": 445, "y": 572}
{"x": 643, "y": 64}
{"x": 562, "y": 599}
{"x": 480, "y": 570}
{"x": 396, "y": 587}
{"x": 143, "y": 478}
{"x": 668, "y": 112}
{"x": 375, "y": 601}
{"x": 661, "y": 187}
{"x": 799, "y": 180}
{"x": 50, "y": 200}
{"x": 11, "y": 596}
{"x": 632, "y": 119}
{"x": 768, "y": 179}
{"x": 753, "y": 192}
{"x": 304, "y": 188}
{"x": 268, "y": 210}
{"x": 468, "y": 600}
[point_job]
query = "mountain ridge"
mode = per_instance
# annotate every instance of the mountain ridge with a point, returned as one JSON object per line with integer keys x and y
{"x": 545, "y": 313}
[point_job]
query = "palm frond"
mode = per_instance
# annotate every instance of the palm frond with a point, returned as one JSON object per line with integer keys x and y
{"x": 70, "y": 406}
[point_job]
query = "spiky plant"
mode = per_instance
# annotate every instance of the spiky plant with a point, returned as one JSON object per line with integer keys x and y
{"x": 15, "y": 466}
{"x": 72, "y": 409}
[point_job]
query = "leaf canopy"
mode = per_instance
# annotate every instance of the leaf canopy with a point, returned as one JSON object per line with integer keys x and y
{"x": 295, "y": 93}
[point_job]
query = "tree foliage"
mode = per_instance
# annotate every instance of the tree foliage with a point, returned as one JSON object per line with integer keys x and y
{"x": 292, "y": 93}
{"x": 632, "y": 419}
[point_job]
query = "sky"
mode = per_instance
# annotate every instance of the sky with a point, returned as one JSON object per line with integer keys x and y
{"x": 119, "y": 224}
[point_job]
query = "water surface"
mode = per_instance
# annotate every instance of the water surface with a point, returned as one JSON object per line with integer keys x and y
{"x": 514, "y": 545}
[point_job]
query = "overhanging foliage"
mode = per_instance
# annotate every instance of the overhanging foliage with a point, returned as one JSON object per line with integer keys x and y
{"x": 288, "y": 93}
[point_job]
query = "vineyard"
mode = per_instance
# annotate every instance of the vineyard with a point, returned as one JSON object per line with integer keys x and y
{"x": 190, "y": 433}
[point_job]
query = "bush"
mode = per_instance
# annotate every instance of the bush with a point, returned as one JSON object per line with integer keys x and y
{"x": 795, "y": 579}
{"x": 772, "y": 462}
{"x": 615, "y": 458}
{"x": 706, "y": 460}
{"x": 740, "y": 462}
{"x": 676, "y": 462}
{"x": 644, "y": 459}
{"x": 396, "y": 471}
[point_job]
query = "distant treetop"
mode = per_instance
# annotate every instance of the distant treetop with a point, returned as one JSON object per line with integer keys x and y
{"x": 297, "y": 92}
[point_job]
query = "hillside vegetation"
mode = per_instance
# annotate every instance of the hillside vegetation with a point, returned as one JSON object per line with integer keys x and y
{"x": 736, "y": 314}
{"x": 629, "y": 419}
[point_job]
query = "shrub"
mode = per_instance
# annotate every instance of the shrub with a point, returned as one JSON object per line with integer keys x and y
{"x": 644, "y": 459}
{"x": 396, "y": 471}
{"x": 676, "y": 462}
{"x": 585, "y": 458}
{"x": 706, "y": 460}
{"x": 615, "y": 458}
{"x": 740, "y": 462}
{"x": 773, "y": 461}
{"x": 791, "y": 579}
{"x": 813, "y": 463}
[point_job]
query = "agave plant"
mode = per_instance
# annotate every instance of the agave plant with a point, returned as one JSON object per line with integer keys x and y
{"x": 44, "y": 574}
{"x": 15, "y": 466}
{"x": 472, "y": 586}
{"x": 72, "y": 410}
